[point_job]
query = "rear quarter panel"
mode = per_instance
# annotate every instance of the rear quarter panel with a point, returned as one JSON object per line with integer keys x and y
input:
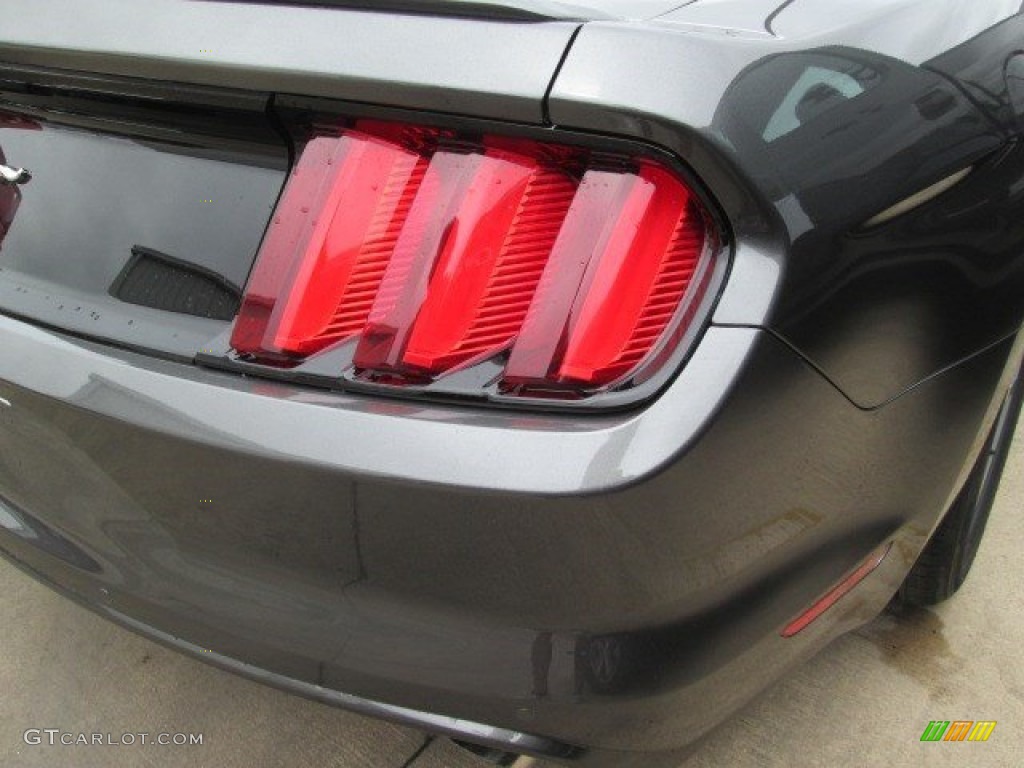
{"x": 877, "y": 309}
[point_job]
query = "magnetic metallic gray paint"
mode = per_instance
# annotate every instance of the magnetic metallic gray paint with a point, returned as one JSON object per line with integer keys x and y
{"x": 313, "y": 565}
{"x": 680, "y": 539}
{"x": 498, "y": 738}
{"x": 509, "y": 9}
{"x": 877, "y": 310}
{"x": 492, "y": 451}
{"x": 473, "y": 66}
{"x": 112, "y": 194}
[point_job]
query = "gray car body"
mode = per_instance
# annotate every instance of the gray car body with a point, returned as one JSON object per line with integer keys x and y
{"x": 477, "y": 572}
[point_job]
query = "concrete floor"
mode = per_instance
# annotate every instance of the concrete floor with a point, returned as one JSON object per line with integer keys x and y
{"x": 864, "y": 701}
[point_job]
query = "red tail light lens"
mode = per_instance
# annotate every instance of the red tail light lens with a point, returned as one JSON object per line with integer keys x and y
{"x": 331, "y": 239}
{"x": 431, "y": 253}
{"x": 467, "y": 267}
{"x": 596, "y": 319}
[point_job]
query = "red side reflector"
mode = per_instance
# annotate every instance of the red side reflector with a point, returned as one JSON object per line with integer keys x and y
{"x": 831, "y": 597}
{"x": 432, "y": 252}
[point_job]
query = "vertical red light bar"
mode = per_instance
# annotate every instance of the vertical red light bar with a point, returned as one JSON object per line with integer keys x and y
{"x": 484, "y": 282}
{"x": 638, "y": 283}
{"x": 329, "y": 243}
{"x": 619, "y": 270}
{"x": 467, "y": 262}
{"x": 589, "y": 225}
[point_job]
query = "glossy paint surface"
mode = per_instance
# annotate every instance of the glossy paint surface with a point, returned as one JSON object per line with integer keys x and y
{"x": 303, "y": 554}
{"x": 521, "y": 10}
{"x": 808, "y": 127}
{"x": 116, "y": 175}
{"x": 471, "y": 66}
{"x": 613, "y": 582}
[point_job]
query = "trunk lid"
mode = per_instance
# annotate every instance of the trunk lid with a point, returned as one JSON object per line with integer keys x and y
{"x": 157, "y": 164}
{"x": 143, "y": 211}
{"x": 473, "y": 66}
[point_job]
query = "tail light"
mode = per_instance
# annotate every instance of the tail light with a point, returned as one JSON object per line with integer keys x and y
{"x": 563, "y": 272}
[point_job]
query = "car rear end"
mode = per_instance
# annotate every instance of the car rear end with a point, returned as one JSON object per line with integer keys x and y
{"x": 276, "y": 388}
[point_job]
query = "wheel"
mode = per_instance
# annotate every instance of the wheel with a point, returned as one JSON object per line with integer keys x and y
{"x": 947, "y": 558}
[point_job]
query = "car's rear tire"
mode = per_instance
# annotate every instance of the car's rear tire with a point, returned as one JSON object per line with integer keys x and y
{"x": 946, "y": 560}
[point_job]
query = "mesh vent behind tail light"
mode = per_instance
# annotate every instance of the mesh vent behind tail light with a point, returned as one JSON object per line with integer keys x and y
{"x": 430, "y": 253}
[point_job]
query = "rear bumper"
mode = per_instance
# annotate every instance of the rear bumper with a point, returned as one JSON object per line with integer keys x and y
{"x": 613, "y": 583}
{"x": 499, "y": 738}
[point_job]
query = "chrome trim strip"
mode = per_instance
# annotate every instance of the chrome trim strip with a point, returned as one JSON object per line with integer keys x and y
{"x": 10, "y": 175}
{"x": 918, "y": 199}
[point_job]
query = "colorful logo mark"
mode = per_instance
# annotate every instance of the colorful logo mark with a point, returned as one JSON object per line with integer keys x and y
{"x": 958, "y": 730}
